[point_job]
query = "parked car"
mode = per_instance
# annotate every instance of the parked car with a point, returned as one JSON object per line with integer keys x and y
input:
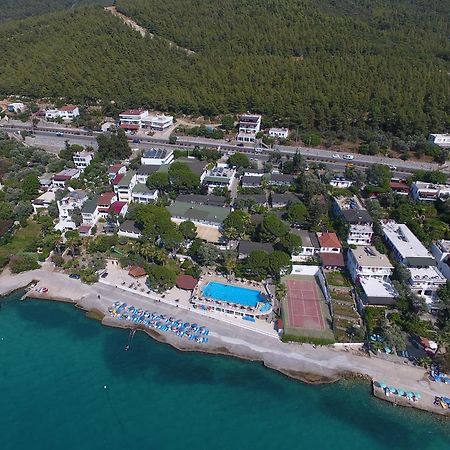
{"x": 336, "y": 156}
{"x": 104, "y": 274}
{"x": 348, "y": 156}
{"x": 59, "y": 133}
{"x": 136, "y": 141}
{"x": 240, "y": 144}
{"x": 75, "y": 276}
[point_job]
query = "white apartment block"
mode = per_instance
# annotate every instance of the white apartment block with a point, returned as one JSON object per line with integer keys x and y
{"x": 249, "y": 126}
{"x": 159, "y": 122}
{"x": 90, "y": 212}
{"x": 280, "y": 133}
{"x": 67, "y": 113}
{"x": 133, "y": 118}
{"x": 82, "y": 159}
{"x": 157, "y": 157}
{"x": 425, "y": 281}
{"x": 443, "y": 140}
{"x": 405, "y": 246}
{"x": 429, "y": 192}
{"x": 360, "y": 224}
{"x": 124, "y": 187}
{"x": 368, "y": 262}
{"x": 219, "y": 176}
{"x": 441, "y": 252}
{"x": 142, "y": 194}
{"x": 74, "y": 199}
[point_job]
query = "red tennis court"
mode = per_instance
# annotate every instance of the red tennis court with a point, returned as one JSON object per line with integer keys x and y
{"x": 304, "y": 305}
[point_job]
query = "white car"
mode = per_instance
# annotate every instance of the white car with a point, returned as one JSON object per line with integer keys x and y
{"x": 348, "y": 156}
{"x": 336, "y": 156}
{"x": 393, "y": 167}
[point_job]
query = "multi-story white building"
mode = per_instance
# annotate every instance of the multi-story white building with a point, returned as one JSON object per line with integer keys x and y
{"x": 425, "y": 281}
{"x": 104, "y": 202}
{"x": 67, "y": 113}
{"x": 367, "y": 261}
{"x": 159, "y": 122}
{"x": 441, "y": 252}
{"x": 89, "y": 212}
{"x": 157, "y": 157}
{"x": 249, "y": 126}
{"x": 405, "y": 246}
{"x": 443, "y": 140}
{"x": 132, "y": 119}
{"x": 280, "y": 133}
{"x": 360, "y": 224}
{"x": 82, "y": 159}
{"x": 60, "y": 179}
{"x": 142, "y": 194}
{"x": 429, "y": 192}
{"x": 124, "y": 186}
{"x": 73, "y": 200}
{"x": 219, "y": 176}
{"x": 310, "y": 245}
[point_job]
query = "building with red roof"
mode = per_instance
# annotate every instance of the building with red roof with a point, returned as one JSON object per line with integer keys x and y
{"x": 132, "y": 118}
{"x": 329, "y": 243}
{"x": 104, "y": 202}
{"x": 67, "y": 112}
{"x": 186, "y": 282}
{"x": 115, "y": 169}
{"x": 137, "y": 272}
{"x": 332, "y": 260}
{"x": 119, "y": 208}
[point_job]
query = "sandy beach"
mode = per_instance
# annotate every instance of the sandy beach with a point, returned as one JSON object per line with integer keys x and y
{"x": 301, "y": 361}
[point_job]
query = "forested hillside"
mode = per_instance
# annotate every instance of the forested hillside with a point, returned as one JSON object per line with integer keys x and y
{"x": 340, "y": 67}
{"x": 19, "y": 9}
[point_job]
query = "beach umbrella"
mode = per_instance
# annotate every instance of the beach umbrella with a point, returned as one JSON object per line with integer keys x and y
{"x": 409, "y": 394}
{"x": 400, "y": 392}
{"x": 382, "y": 385}
{"x": 393, "y": 390}
{"x": 418, "y": 395}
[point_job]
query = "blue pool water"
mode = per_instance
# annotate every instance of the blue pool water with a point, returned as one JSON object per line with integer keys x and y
{"x": 232, "y": 294}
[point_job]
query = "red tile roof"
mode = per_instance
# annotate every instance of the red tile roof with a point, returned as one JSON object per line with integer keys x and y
{"x": 136, "y": 272}
{"x": 84, "y": 228}
{"x": 105, "y": 198}
{"x": 186, "y": 282}
{"x": 332, "y": 259}
{"x": 129, "y": 126}
{"x": 132, "y": 112}
{"x": 117, "y": 178}
{"x": 329, "y": 240}
{"x": 68, "y": 108}
{"x": 118, "y": 206}
{"x": 114, "y": 168}
{"x": 398, "y": 185}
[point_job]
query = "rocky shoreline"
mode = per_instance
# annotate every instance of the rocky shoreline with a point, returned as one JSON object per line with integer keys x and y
{"x": 301, "y": 362}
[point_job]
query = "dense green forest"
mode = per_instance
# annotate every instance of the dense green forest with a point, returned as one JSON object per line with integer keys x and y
{"x": 343, "y": 68}
{"x": 19, "y": 9}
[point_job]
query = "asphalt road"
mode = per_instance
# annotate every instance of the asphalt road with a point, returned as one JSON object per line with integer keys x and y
{"x": 53, "y": 137}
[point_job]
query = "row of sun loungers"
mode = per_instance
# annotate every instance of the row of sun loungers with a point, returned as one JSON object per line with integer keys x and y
{"x": 193, "y": 332}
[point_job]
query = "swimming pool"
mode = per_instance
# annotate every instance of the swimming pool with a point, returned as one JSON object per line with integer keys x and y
{"x": 233, "y": 294}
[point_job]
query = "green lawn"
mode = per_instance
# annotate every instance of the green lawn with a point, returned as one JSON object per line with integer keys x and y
{"x": 337, "y": 279}
{"x": 21, "y": 240}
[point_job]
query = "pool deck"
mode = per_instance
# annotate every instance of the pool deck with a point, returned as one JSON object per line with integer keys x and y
{"x": 230, "y": 336}
{"x": 199, "y": 298}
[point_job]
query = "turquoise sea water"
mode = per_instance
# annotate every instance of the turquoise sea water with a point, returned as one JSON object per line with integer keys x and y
{"x": 54, "y": 363}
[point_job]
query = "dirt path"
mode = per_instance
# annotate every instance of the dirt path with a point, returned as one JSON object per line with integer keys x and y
{"x": 143, "y": 32}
